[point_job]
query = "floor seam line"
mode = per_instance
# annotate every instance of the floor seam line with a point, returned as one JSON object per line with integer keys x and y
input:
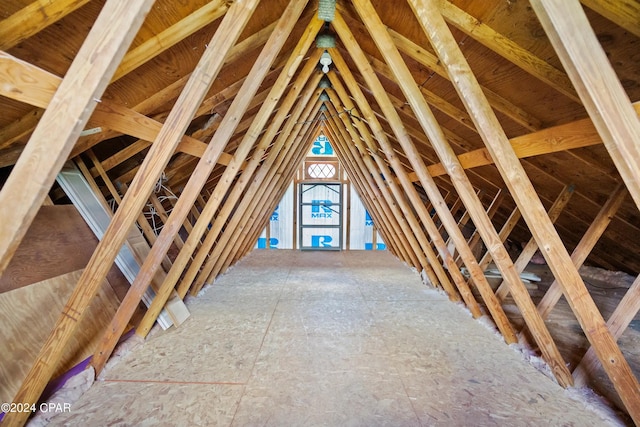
{"x": 170, "y": 382}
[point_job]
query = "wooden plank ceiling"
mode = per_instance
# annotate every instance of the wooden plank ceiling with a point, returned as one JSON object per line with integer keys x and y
{"x": 220, "y": 100}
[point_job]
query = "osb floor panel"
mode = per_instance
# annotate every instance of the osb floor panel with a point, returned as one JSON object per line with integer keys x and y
{"x": 325, "y": 338}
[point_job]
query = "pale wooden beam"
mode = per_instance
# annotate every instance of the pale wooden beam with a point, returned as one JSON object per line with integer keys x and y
{"x": 164, "y": 217}
{"x": 532, "y": 209}
{"x": 372, "y": 183}
{"x": 103, "y": 174}
{"x": 42, "y": 158}
{"x": 33, "y": 18}
{"x": 434, "y": 100}
{"x": 21, "y": 128}
{"x": 147, "y": 229}
{"x": 506, "y": 229}
{"x": 407, "y": 186}
{"x": 617, "y": 323}
{"x": 37, "y": 87}
{"x": 531, "y": 247}
{"x": 164, "y": 40}
{"x": 200, "y": 260}
{"x": 431, "y": 61}
{"x": 465, "y": 190}
{"x": 363, "y": 182}
{"x": 384, "y": 178}
{"x": 248, "y": 142}
{"x": 578, "y": 134}
{"x": 585, "y": 246}
{"x": 20, "y": 83}
{"x": 240, "y": 12}
{"x": 252, "y": 225}
{"x": 26, "y": 83}
{"x": 172, "y": 91}
{"x": 266, "y": 167}
{"x": 427, "y": 182}
{"x": 474, "y": 240}
{"x": 508, "y": 49}
{"x": 598, "y": 86}
{"x": 625, "y": 13}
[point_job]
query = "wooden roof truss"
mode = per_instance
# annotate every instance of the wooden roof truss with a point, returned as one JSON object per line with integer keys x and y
{"x": 228, "y": 133}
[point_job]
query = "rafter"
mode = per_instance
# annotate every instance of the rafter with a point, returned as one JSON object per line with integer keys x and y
{"x": 33, "y": 18}
{"x": 598, "y": 86}
{"x": 42, "y": 159}
{"x": 508, "y": 49}
{"x": 532, "y": 209}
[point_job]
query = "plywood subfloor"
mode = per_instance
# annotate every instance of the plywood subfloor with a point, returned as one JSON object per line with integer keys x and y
{"x": 326, "y": 338}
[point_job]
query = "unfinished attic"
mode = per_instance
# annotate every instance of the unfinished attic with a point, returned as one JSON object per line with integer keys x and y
{"x": 292, "y": 212}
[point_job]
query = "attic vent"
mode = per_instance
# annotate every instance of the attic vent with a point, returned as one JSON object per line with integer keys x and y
{"x": 326, "y": 10}
{"x": 321, "y": 170}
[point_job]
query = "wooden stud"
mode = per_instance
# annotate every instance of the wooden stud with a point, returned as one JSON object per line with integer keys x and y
{"x": 577, "y": 134}
{"x": 248, "y": 141}
{"x": 374, "y": 194}
{"x": 200, "y": 262}
{"x": 432, "y": 62}
{"x": 164, "y": 217}
{"x": 625, "y": 13}
{"x": 269, "y": 174}
{"x": 344, "y": 137}
{"x": 532, "y": 209}
{"x": 356, "y": 175}
{"x": 37, "y": 87}
{"x": 252, "y": 223}
{"x": 506, "y": 229}
{"x": 427, "y": 182}
{"x": 474, "y": 240}
{"x": 423, "y": 248}
{"x": 409, "y": 189}
{"x": 165, "y": 145}
{"x": 261, "y": 213}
